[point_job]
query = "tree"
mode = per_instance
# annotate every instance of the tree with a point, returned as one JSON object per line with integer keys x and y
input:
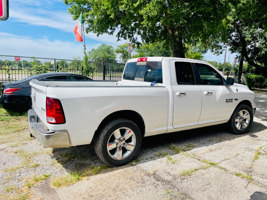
{"x": 104, "y": 53}
{"x": 153, "y": 49}
{"x": 195, "y": 52}
{"x": 176, "y": 23}
{"x": 123, "y": 51}
{"x": 247, "y": 34}
{"x": 76, "y": 64}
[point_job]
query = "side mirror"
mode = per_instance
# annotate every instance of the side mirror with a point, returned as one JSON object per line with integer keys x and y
{"x": 229, "y": 81}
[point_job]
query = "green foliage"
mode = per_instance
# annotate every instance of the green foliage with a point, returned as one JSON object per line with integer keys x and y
{"x": 246, "y": 32}
{"x": 172, "y": 22}
{"x": 62, "y": 66}
{"x": 153, "y": 49}
{"x": 38, "y": 67}
{"x": 76, "y": 64}
{"x": 104, "y": 53}
{"x": 123, "y": 51}
{"x": 195, "y": 52}
{"x": 256, "y": 81}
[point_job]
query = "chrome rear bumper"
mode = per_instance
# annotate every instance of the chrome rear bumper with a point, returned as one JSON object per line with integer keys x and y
{"x": 54, "y": 139}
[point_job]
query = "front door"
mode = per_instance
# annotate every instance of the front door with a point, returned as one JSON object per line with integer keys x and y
{"x": 217, "y": 101}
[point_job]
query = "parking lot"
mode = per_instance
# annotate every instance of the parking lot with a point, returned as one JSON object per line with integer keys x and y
{"x": 207, "y": 163}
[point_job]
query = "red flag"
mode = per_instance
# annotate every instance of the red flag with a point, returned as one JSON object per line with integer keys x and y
{"x": 78, "y": 29}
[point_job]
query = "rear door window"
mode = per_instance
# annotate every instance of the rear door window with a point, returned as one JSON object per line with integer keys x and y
{"x": 184, "y": 73}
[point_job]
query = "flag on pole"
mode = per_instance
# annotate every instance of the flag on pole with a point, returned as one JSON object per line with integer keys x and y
{"x": 78, "y": 29}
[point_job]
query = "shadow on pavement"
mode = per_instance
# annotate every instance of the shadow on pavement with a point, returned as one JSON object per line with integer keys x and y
{"x": 84, "y": 159}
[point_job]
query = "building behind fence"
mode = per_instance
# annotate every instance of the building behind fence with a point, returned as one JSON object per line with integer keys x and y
{"x": 13, "y": 68}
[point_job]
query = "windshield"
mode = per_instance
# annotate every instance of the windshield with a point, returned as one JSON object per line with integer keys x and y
{"x": 144, "y": 71}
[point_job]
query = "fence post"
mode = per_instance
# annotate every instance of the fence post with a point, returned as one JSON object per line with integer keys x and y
{"x": 109, "y": 72}
{"x": 55, "y": 65}
{"x": 104, "y": 70}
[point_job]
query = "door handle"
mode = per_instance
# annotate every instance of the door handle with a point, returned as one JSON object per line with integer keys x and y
{"x": 208, "y": 93}
{"x": 180, "y": 94}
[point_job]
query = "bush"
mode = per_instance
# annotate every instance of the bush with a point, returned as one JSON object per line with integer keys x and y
{"x": 256, "y": 81}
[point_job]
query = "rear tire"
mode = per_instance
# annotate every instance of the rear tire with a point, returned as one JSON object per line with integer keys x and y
{"x": 119, "y": 142}
{"x": 241, "y": 120}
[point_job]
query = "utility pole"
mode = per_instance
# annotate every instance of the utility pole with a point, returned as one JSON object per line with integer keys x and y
{"x": 224, "y": 60}
{"x": 129, "y": 48}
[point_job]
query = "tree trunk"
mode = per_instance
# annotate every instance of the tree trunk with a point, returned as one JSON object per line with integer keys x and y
{"x": 240, "y": 69}
{"x": 178, "y": 48}
{"x": 176, "y": 43}
{"x": 244, "y": 48}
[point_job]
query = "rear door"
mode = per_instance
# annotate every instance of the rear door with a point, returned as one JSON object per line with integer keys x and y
{"x": 186, "y": 95}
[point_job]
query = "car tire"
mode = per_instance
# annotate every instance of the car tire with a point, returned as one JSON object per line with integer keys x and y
{"x": 119, "y": 142}
{"x": 241, "y": 120}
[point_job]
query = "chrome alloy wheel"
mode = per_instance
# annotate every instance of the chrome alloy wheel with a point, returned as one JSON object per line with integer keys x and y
{"x": 121, "y": 143}
{"x": 242, "y": 120}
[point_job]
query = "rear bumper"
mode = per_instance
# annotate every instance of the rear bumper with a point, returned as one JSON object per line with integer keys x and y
{"x": 54, "y": 139}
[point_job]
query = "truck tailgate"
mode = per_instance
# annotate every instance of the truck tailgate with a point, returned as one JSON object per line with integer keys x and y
{"x": 38, "y": 96}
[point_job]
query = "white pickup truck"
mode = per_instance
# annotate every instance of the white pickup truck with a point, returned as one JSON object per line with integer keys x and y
{"x": 156, "y": 95}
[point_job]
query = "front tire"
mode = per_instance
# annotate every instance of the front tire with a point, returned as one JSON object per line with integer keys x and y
{"x": 241, "y": 119}
{"x": 119, "y": 142}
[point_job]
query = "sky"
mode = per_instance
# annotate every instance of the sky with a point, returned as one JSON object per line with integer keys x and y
{"x": 45, "y": 29}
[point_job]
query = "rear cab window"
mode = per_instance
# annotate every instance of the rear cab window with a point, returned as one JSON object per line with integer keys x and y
{"x": 150, "y": 71}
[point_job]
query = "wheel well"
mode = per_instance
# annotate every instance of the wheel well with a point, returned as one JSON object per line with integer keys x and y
{"x": 246, "y": 102}
{"x": 126, "y": 114}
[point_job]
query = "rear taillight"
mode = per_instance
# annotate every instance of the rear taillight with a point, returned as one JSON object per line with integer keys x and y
{"x": 10, "y": 91}
{"x": 54, "y": 111}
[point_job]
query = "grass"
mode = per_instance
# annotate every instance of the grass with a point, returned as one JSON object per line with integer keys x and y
{"x": 36, "y": 179}
{"x": 168, "y": 191}
{"x": 246, "y": 176}
{"x": 188, "y": 172}
{"x": 95, "y": 170}
{"x": 170, "y": 159}
{"x": 191, "y": 171}
{"x": 27, "y": 161}
{"x": 162, "y": 154}
{"x": 27, "y": 156}
{"x": 77, "y": 176}
{"x": 67, "y": 180}
{"x": 13, "y": 126}
{"x": 25, "y": 192}
{"x": 209, "y": 163}
{"x": 181, "y": 148}
{"x": 257, "y": 153}
{"x": 9, "y": 189}
{"x": 134, "y": 162}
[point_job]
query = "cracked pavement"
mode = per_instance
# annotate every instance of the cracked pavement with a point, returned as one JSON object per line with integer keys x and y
{"x": 207, "y": 163}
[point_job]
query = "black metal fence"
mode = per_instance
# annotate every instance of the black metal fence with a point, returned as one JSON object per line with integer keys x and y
{"x": 13, "y": 68}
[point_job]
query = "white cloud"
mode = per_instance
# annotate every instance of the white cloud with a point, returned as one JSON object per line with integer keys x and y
{"x": 60, "y": 21}
{"x": 34, "y": 13}
{"x": 26, "y": 46}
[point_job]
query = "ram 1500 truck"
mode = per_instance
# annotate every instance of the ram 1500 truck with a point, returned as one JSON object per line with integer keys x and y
{"x": 156, "y": 95}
